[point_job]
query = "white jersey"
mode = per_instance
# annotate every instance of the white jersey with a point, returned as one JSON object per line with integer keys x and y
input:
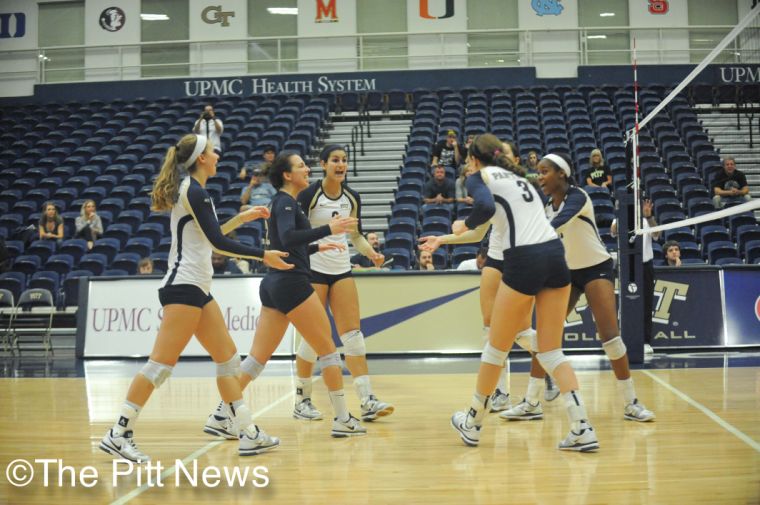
{"x": 495, "y": 241}
{"x": 575, "y": 223}
{"x": 320, "y": 210}
{"x": 195, "y": 233}
{"x": 519, "y": 219}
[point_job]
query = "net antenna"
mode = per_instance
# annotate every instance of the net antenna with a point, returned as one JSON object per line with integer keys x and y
{"x": 633, "y": 133}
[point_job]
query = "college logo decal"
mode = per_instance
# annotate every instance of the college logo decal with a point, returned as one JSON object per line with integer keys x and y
{"x": 425, "y": 10}
{"x": 5, "y": 25}
{"x": 547, "y": 7}
{"x": 326, "y": 12}
{"x": 112, "y": 19}
{"x": 214, "y": 14}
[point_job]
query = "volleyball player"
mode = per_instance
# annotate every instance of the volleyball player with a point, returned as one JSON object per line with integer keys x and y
{"x": 333, "y": 282}
{"x": 188, "y": 307}
{"x": 534, "y": 269}
{"x": 490, "y": 279}
{"x": 591, "y": 270}
{"x": 288, "y": 297}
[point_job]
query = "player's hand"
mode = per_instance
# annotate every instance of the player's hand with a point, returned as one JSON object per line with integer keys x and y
{"x": 254, "y": 213}
{"x": 273, "y": 259}
{"x": 343, "y": 225}
{"x": 430, "y": 243}
{"x": 458, "y": 227}
{"x": 332, "y": 246}
{"x": 646, "y": 208}
{"x": 377, "y": 259}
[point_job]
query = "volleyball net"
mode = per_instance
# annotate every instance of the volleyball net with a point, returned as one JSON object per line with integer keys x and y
{"x": 744, "y": 40}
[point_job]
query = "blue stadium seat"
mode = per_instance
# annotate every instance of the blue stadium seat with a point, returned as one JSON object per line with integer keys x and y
{"x": 15, "y": 282}
{"x": 71, "y": 287}
{"x": 27, "y": 264}
{"x": 94, "y": 263}
{"x": 401, "y": 257}
{"x": 60, "y": 263}
{"x": 45, "y": 280}
{"x": 721, "y": 249}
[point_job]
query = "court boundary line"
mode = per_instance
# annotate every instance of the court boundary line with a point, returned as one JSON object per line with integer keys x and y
{"x": 199, "y": 452}
{"x": 709, "y": 413}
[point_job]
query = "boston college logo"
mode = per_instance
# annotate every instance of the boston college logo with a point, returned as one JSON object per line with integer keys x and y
{"x": 425, "y": 10}
{"x": 326, "y": 12}
{"x": 112, "y": 19}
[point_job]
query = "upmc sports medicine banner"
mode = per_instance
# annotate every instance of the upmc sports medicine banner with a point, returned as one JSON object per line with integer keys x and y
{"x": 123, "y": 315}
{"x": 742, "y": 306}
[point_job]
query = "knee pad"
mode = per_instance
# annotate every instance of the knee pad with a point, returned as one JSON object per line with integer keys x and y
{"x": 251, "y": 367}
{"x": 527, "y": 340}
{"x": 493, "y": 356}
{"x": 156, "y": 372}
{"x": 306, "y": 353}
{"x": 332, "y": 359}
{"x": 615, "y": 348}
{"x": 353, "y": 343}
{"x": 551, "y": 360}
{"x": 229, "y": 368}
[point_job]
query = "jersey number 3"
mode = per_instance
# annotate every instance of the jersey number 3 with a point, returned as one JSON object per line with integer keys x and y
{"x": 527, "y": 194}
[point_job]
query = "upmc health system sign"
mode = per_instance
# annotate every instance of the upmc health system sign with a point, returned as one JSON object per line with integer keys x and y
{"x": 123, "y": 316}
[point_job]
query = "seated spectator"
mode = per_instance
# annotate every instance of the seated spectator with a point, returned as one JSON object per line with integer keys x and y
{"x": 268, "y": 154}
{"x": 258, "y": 192}
{"x": 460, "y": 189}
{"x": 672, "y": 253}
{"x": 476, "y": 263}
{"x": 145, "y": 266}
{"x": 51, "y": 223}
{"x": 730, "y": 185}
{"x": 531, "y": 167}
{"x": 448, "y": 152}
{"x": 599, "y": 175}
{"x": 88, "y": 225}
{"x": 439, "y": 190}
{"x": 425, "y": 261}
{"x": 223, "y": 265}
{"x": 361, "y": 262}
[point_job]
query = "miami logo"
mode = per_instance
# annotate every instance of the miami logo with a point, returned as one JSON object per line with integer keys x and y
{"x": 547, "y": 7}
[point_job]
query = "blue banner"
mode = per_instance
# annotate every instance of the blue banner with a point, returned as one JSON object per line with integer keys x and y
{"x": 742, "y": 288}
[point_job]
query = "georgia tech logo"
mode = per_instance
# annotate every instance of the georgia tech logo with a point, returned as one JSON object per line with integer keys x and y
{"x": 425, "y": 10}
{"x": 547, "y": 7}
{"x": 326, "y": 13}
{"x": 112, "y": 19}
{"x": 217, "y": 15}
{"x": 5, "y": 25}
{"x": 668, "y": 291}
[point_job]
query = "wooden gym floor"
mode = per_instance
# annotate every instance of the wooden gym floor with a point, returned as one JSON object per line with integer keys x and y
{"x": 704, "y": 446}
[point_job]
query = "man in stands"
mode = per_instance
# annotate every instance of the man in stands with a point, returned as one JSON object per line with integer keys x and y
{"x": 258, "y": 192}
{"x": 425, "y": 261}
{"x": 448, "y": 152}
{"x": 210, "y": 127}
{"x": 361, "y": 262}
{"x": 268, "y": 154}
{"x": 439, "y": 190}
{"x": 730, "y": 185}
{"x": 672, "y": 253}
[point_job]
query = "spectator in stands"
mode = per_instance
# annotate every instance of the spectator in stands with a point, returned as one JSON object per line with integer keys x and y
{"x": 476, "y": 263}
{"x": 88, "y": 225}
{"x": 268, "y": 155}
{"x": 439, "y": 190}
{"x": 468, "y": 142}
{"x": 599, "y": 175}
{"x": 145, "y": 266}
{"x": 730, "y": 185}
{"x": 360, "y": 261}
{"x": 460, "y": 189}
{"x": 51, "y": 223}
{"x": 532, "y": 165}
{"x": 223, "y": 265}
{"x": 425, "y": 261}
{"x": 210, "y": 126}
{"x": 672, "y": 253}
{"x": 448, "y": 152}
{"x": 243, "y": 265}
{"x": 258, "y": 192}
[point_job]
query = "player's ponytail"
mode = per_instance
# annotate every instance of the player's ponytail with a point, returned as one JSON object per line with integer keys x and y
{"x": 488, "y": 149}
{"x": 166, "y": 187}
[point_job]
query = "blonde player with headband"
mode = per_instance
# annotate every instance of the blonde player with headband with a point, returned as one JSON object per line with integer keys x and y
{"x": 571, "y": 213}
{"x": 490, "y": 279}
{"x": 535, "y": 270}
{"x": 189, "y": 308}
{"x": 332, "y": 279}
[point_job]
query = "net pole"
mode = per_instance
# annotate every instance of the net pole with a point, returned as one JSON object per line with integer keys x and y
{"x": 635, "y": 162}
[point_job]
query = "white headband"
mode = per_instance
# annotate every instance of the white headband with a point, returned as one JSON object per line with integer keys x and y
{"x": 200, "y": 146}
{"x": 557, "y": 160}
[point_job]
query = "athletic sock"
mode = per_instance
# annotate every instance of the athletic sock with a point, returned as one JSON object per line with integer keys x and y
{"x": 127, "y": 417}
{"x": 534, "y": 390}
{"x": 363, "y": 387}
{"x": 338, "y": 400}
{"x": 627, "y": 390}
{"x": 303, "y": 389}
{"x": 478, "y": 408}
{"x": 576, "y": 410}
{"x": 502, "y": 384}
{"x": 241, "y": 414}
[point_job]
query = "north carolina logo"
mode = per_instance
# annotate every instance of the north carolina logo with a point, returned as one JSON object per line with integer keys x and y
{"x": 547, "y": 7}
{"x": 112, "y": 19}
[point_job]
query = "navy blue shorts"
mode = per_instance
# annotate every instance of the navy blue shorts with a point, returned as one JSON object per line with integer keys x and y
{"x": 497, "y": 264}
{"x": 531, "y": 268}
{"x": 183, "y": 294}
{"x": 328, "y": 279}
{"x": 582, "y": 276}
{"x": 285, "y": 292}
